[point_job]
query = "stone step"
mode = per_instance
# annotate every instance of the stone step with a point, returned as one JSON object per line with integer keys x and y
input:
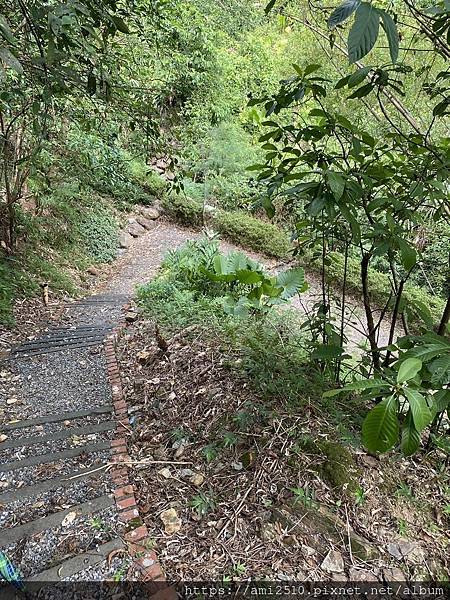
{"x": 14, "y": 534}
{"x": 39, "y": 545}
{"x": 60, "y": 435}
{"x": 65, "y": 416}
{"x": 82, "y": 438}
{"x": 33, "y": 461}
{"x": 35, "y": 501}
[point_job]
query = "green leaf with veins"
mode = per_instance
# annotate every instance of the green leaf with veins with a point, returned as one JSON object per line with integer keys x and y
{"x": 364, "y": 32}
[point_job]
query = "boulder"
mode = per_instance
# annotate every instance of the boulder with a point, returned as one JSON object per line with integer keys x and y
{"x": 146, "y": 223}
{"x": 150, "y": 212}
{"x": 125, "y": 239}
{"x": 135, "y": 229}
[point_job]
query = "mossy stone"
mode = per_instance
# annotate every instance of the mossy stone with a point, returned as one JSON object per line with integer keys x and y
{"x": 338, "y": 468}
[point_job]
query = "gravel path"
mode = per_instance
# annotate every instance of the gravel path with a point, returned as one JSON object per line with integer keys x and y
{"x": 36, "y": 395}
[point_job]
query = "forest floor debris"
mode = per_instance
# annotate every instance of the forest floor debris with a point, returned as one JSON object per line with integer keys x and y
{"x": 256, "y": 501}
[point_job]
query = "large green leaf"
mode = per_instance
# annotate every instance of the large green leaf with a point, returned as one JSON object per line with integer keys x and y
{"x": 292, "y": 282}
{"x": 391, "y": 33}
{"x": 440, "y": 369}
{"x": 381, "y": 427}
{"x": 120, "y": 23}
{"x": 421, "y": 414}
{"x": 441, "y": 401}
{"x": 9, "y": 60}
{"x": 364, "y": 32}
{"x": 336, "y": 183}
{"x": 236, "y": 261}
{"x": 408, "y": 254}
{"x": 358, "y": 76}
{"x": 249, "y": 277}
{"x": 408, "y": 369}
{"x": 5, "y": 31}
{"x": 342, "y": 12}
{"x": 410, "y": 436}
{"x": 327, "y": 352}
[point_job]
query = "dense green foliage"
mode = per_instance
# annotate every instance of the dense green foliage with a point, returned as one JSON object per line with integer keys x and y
{"x": 221, "y": 111}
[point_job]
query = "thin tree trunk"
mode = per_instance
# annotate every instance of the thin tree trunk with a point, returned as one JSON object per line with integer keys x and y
{"x": 445, "y": 318}
{"x": 371, "y": 334}
{"x": 394, "y": 319}
{"x": 343, "y": 299}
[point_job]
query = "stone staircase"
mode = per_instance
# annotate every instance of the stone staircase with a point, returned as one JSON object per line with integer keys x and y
{"x": 60, "y": 518}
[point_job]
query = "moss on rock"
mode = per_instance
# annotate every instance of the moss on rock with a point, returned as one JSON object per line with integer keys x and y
{"x": 338, "y": 468}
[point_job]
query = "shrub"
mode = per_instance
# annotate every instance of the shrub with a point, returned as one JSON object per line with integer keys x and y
{"x": 150, "y": 181}
{"x": 183, "y": 209}
{"x": 252, "y": 233}
{"x": 97, "y": 232}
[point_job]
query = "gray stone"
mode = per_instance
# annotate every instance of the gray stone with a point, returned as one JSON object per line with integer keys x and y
{"x": 404, "y": 549}
{"x": 333, "y": 562}
{"x": 146, "y": 223}
{"x": 361, "y": 575}
{"x": 150, "y": 212}
{"x": 135, "y": 229}
{"x": 393, "y": 574}
{"x": 125, "y": 239}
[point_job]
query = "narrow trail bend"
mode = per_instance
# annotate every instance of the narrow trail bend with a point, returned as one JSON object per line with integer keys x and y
{"x": 58, "y": 518}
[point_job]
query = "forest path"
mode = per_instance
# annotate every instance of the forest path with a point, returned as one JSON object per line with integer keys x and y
{"x": 58, "y": 517}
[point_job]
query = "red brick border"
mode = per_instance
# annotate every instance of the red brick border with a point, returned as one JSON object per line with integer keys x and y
{"x": 145, "y": 560}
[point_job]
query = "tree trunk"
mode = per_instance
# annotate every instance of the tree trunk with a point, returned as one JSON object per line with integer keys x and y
{"x": 445, "y": 318}
{"x": 371, "y": 334}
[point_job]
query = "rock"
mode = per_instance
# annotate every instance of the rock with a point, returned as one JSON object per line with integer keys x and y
{"x": 165, "y": 473}
{"x": 131, "y": 316}
{"x": 404, "y": 549}
{"x": 210, "y": 210}
{"x": 197, "y": 479}
{"x": 150, "y": 212}
{"x": 333, "y": 562}
{"x": 161, "y": 163}
{"x": 237, "y": 466}
{"x": 393, "y": 574}
{"x": 307, "y": 551}
{"x": 135, "y": 229}
{"x": 3, "y": 438}
{"x": 361, "y": 575}
{"x": 269, "y": 532}
{"x": 146, "y": 223}
{"x": 370, "y": 461}
{"x": 125, "y": 239}
{"x": 93, "y": 271}
{"x": 171, "y": 520}
{"x": 69, "y": 519}
{"x": 186, "y": 473}
{"x": 339, "y": 577}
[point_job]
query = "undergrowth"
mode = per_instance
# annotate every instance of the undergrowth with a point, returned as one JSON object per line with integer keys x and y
{"x": 266, "y": 238}
{"x": 268, "y": 350}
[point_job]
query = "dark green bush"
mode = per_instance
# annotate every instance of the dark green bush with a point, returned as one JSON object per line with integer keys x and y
{"x": 252, "y": 233}
{"x": 184, "y": 209}
{"x": 97, "y": 232}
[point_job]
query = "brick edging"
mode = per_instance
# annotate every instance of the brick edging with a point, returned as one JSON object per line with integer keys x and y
{"x": 137, "y": 536}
